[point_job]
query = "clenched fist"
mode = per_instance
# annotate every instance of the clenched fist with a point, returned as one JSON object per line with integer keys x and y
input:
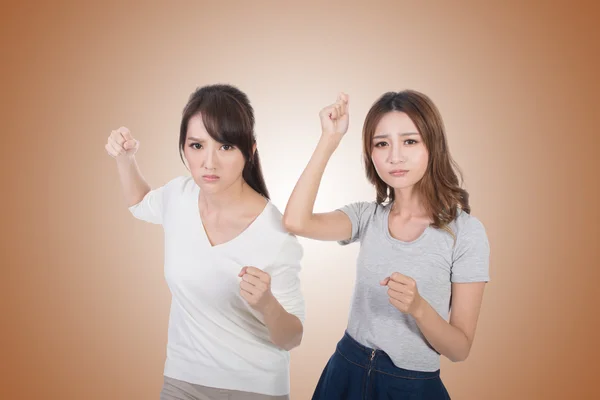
{"x": 255, "y": 288}
{"x": 334, "y": 118}
{"x": 121, "y": 143}
{"x": 403, "y": 293}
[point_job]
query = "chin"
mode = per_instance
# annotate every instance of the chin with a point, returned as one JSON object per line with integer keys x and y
{"x": 210, "y": 187}
{"x": 402, "y": 186}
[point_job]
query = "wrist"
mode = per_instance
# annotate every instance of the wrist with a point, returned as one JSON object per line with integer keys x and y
{"x": 419, "y": 310}
{"x": 272, "y": 309}
{"x": 329, "y": 141}
{"x": 125, "y": 159}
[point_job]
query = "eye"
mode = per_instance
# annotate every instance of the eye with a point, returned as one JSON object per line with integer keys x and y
{"x": 381, "y": 144}
{"x": 196, "y": 146}
{"x": 227, "y": 147}
{"x": 410, "y": 141}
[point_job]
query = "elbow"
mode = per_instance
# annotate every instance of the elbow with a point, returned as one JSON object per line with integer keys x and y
{"x": 460, "y": 357}
{"x": 462, "y": 350}
{"x": 292, "y": 225}
{"x": 292, "y": 344}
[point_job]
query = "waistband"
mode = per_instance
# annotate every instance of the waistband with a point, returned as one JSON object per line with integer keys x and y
{"x": 377, "y": 360}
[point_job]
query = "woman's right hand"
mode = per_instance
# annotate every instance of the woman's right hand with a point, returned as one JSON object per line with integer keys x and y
{"x": 334, "y": 118}
{"x": 121, "y": 144}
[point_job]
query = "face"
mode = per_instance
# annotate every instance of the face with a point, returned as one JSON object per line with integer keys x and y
{"x": 214, "y": 166}
{"x": 399, "y": 154}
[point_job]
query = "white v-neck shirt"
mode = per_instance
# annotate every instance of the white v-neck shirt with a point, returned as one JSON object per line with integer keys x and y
{"x": 215, "y": 338}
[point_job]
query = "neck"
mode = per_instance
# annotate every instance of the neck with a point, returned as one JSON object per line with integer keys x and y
{"x": 407, "y": 203}
{"x": 226, "y": 199}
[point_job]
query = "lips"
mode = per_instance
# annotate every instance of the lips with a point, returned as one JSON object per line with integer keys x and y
{"x": 398, "y": 172}
{"x": 210, "y": 178}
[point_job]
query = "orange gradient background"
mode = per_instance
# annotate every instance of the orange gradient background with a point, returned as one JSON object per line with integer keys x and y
{"x": 84, "y": 305}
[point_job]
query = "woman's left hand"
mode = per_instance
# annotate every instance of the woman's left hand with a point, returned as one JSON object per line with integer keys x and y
{"x": 255, "y": 288}
{"x": 403, "y": 293}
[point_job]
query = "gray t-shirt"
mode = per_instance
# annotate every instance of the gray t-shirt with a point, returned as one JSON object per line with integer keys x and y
{"x": 433, "y": 260}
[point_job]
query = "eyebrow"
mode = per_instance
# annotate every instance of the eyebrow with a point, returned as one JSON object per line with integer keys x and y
{"x": 193, "y": 139}
{"x": 385, "y": 135}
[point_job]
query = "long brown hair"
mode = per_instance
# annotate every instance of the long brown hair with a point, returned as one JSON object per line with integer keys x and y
{"x": 229, "y": 119}
{"x": 440, "y": 188}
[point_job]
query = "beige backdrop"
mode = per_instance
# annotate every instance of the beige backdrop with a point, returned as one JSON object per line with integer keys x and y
{"x": 84, "y": 305}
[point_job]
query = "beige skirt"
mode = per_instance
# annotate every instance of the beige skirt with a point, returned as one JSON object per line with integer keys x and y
{"x": 174, "y": 389}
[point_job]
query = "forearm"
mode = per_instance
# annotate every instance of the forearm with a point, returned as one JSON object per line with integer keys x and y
{"x": 285, "y": 329}
{"x": 133, "y": 183}
{"x": 300, "y": 206}
{"x": 446, "y": 339}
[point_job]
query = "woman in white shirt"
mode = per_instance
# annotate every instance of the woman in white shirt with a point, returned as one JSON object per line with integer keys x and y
{"x": 237, "y": 307}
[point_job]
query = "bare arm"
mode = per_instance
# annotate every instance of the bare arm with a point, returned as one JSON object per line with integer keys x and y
{"x": 133, "y": 183}
{"x": 122, "y": 146}
{"x": 299, "y": 217}
{"x": 285, "y": 329}
{"x": 453, "y": 339}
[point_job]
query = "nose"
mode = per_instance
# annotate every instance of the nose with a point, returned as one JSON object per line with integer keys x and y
{"x": 396, "y": 154}
{"x": 209, "y": 160}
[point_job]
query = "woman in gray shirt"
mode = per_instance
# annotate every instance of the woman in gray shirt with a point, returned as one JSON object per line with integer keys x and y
{"x": 422, "y": 253}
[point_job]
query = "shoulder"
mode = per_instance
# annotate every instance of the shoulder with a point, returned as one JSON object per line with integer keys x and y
{"x": 466, "y": 225}
{"x": 181, "y": 182}
{"x": 179, "y": 186}
{"x": 273, "y": 228}
{"x": 364, "y": 209}
{"x": 470, "y": 233}
{"x": 273, "y": 222}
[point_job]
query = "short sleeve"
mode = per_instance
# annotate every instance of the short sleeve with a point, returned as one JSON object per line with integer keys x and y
{"x": 359, "y": 214}
{"x": 471, "y": 256}
{"x": 285, "y": 279}
{"x": 151, "y": 207}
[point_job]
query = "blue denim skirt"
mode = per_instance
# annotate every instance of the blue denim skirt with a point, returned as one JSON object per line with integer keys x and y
{"x": 356, "y": 372}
